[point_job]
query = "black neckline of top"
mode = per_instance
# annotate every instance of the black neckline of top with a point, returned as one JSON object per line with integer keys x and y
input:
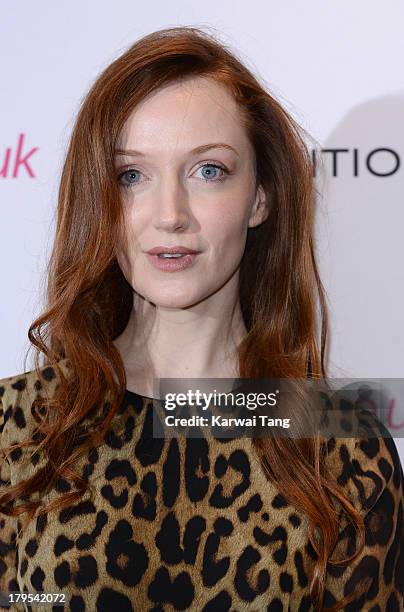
{"x": 132, "y": 394}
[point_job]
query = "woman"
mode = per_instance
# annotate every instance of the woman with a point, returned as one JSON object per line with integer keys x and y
{"x": 178, "y": 146}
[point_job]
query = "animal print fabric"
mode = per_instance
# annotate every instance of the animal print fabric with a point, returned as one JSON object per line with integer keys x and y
{"x": 190, "y": 524}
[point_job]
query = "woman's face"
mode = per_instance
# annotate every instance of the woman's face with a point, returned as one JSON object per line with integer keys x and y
{"x": 174, "y": 195}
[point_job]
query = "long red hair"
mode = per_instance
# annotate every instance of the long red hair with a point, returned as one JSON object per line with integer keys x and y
{"x": 89, "y": 300}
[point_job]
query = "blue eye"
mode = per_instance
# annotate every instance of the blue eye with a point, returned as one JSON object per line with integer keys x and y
{"x": 129, "y": 174}
{"x": 209, "y": 175}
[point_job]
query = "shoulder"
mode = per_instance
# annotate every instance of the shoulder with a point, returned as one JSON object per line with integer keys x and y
{"x": 369, "y": 470}
{"x": 368, "y": 467}
{"x": 17, "y": 394}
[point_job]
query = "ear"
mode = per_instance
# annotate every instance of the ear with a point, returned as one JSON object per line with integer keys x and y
{"x": 260, "y": 209}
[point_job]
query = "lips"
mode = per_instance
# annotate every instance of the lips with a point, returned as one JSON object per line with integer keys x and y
{"x": 173, "y": 263}
{"x": 171, "y": 249}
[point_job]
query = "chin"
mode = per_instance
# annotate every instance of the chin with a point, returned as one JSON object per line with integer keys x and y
{"x": 168, "y": 297}
{"x": 185, "y": 302}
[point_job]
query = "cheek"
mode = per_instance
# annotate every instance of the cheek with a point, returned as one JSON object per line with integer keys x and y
{"x": 127, "y": 250}
{"x": 136, "y": 225}
{"x": 226, "y": 233}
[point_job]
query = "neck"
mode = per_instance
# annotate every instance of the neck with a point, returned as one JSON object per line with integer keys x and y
{"x": 196, "y": 342}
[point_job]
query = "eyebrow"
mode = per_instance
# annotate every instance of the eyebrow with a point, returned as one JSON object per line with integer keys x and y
{"x": 200, "y": 149}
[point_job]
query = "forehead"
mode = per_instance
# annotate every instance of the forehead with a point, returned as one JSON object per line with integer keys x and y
{"x": 182, "y": 115}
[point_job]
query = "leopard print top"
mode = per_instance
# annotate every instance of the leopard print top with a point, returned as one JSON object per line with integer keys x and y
{"x": 191, "y": 524}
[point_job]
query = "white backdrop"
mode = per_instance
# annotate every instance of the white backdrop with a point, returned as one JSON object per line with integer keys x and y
{"x": 336, "y": 66}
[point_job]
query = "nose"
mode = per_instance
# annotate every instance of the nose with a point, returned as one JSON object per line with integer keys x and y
{"x": 172, "y": 210}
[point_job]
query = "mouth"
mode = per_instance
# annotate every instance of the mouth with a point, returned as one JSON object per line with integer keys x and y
{"x": 172, "y": 262}
{"x": 170, "y": 255}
